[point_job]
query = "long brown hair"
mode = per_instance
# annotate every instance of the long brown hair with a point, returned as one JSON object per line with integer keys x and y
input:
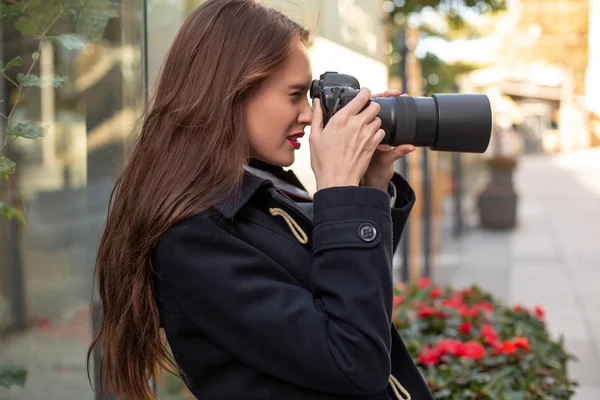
{"x": 188, "y": 157}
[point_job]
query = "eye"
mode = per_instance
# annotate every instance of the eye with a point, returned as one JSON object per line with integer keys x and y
{"x": 296, "y": 96}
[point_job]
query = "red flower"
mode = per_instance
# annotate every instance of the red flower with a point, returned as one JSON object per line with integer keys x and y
{"x": 420, "y": 304}
{"x": 483, "y": 306}
{"x": 426, "y": 312}
{"x": 467, "y": 312}
{"x": 518, "y": 308}
{"x": 450, "y": 346}
{"x": 473, "y": 350}
{"x": 454, "y": 302}
{"x": 429, "y": 356}
{"x": 435, "y": 293}
{"x": 521, "y": 342}
{"x": 489, "y": 335}
{"x": 508, "y": 347}
{"x": 398, "y": 300}
{"x": 539, "y": 311}
{"x": 465, "y": 328}
{"x": 424, "y": 282}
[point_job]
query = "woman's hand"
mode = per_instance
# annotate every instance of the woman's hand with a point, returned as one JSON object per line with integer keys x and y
{"x": 381, "y": 167}
{"x": 341, "y": 152}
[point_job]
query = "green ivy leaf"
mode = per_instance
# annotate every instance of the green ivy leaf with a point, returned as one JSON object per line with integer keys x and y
{"x": 12, "y": 377}
{"x": 69, "y": 41}
{"x": 26, "y": 26}
{"x": 15, "y": 62}
{"x": 31, "y": 80}
{"x": 7, "y": 11}
{"x": 35, "y": 55}
{"x": 7, "y": 168}
{"x": 93, "y": 19}
{"x": 38, "y": 15}
{"x": 10, "y": 213}
{"x": 28, "y": 130}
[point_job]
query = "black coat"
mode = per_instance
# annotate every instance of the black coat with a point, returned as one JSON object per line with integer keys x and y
{"x": 252, "y": 313}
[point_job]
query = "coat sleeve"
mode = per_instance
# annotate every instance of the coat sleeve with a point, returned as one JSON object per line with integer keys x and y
{"x": 334, "y": 336}
{"x": 405, "y": 199}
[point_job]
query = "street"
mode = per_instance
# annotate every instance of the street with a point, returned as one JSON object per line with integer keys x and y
{"x": 552, "y": 258}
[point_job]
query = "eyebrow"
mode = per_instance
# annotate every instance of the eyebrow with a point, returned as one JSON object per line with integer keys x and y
{"x": 300, "y": 86}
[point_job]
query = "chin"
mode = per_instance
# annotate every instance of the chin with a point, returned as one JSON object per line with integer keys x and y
{"x": 281, "y": 160}
{"x": 285, "y": 162}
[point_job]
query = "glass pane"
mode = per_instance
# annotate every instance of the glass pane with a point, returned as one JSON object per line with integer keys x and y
{"x": 85, "y": 96}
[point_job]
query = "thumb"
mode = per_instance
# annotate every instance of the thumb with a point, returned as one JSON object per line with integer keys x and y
{"x": 399, "y": 152}
{"x": 316, "y": 124}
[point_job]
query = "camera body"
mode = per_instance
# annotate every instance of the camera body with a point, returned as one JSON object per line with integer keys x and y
{"x": 334, "y": 91}
{"x": 444, "y": 122}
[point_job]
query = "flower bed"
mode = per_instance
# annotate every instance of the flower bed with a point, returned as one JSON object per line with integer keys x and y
{"x": 470, "y": 346}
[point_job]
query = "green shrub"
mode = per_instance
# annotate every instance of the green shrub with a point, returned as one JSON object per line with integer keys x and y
{"x": 470, "y": 346}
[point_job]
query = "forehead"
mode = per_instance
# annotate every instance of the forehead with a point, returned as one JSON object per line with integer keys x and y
{"x": 297, "y": 67}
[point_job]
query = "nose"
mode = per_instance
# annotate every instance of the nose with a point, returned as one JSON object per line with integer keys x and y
{"x": 305, "y": 116}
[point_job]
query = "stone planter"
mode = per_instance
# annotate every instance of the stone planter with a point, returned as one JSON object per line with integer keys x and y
{"x": 497, "y": 203}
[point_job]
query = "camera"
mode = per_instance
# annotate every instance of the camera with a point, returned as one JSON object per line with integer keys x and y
{"x": 443, "y": 122}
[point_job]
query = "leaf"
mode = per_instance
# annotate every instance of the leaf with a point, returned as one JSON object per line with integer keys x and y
{"x": 31, "y": 80}
{"x": 12, "y": 377}
{"x": 7, "y": 168}
{"x": 93, "y": 19}
{"x": 26, "y": 26}
{"x": 28, "y": 130}
{"x": 28, "y": 80}
{"x": 38, "y": 16}
{"x": 69, "y": 41}
{"x": 15, "y": 62}
{"x": 11, "y": 212}
{"x": 35, "y": 55}
{"x": 7, "y": 11}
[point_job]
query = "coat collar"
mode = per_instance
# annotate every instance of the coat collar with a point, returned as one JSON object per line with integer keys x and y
{"x": 250, "y": 185}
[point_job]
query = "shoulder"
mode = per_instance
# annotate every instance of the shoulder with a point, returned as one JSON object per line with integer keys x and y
{"x": 187, "y": 237}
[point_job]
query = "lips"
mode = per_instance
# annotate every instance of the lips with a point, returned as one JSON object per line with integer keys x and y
{"x": 293, "y": 139}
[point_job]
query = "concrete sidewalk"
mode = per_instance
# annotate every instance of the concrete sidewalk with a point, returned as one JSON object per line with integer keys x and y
{"x": 551, "y": 259}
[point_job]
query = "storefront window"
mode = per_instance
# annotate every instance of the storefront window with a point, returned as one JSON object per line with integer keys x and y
{"x": 76, "y": 76}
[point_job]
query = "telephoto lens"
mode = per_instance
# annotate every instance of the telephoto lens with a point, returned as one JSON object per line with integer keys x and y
{"x": 444, "y": 122}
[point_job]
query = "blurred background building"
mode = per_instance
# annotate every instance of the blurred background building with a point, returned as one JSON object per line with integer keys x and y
{"x": 537, "y": 60}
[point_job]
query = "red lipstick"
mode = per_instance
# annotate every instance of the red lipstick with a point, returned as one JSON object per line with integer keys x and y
{"x": 293, "y": 139}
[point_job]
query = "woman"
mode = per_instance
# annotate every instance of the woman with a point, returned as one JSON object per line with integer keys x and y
{"x": 263, "y": 293}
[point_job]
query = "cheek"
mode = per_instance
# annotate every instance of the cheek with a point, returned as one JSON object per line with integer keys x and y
{"x": 269, "y": 119}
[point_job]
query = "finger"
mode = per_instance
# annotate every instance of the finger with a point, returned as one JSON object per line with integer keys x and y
{"x": 374, "y": 125}
{"x": 387, "y": 93}
{"x": 378, "y": 137}
{"x": 399, "y": 152}
{"x": 316, "y": 124}
{"x": 391, "y": 92}
{"x": 357, "y": 103}
{"x": 370, "y": 113}
{"x": 405, "y": 148}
